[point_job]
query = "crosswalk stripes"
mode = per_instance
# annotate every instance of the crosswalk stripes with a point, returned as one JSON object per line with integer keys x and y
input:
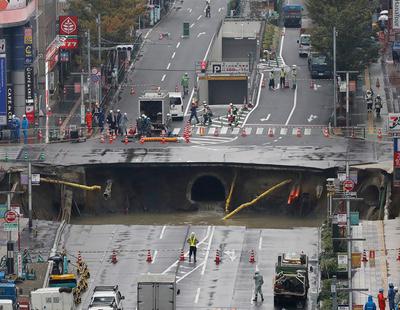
{"x": 274, "y": 63}
{"x": 259, "y": 131}
{"x": 208, "y": 140}
{"x": 221, "y": 121}
{"x": 283, "y": 131}
{"x": 176, "y": 131}
{"x": 307, "y": 131}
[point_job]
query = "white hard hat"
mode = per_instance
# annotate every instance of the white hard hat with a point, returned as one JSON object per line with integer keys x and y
{"x": 143, "y": 115}
{"x": 396, "y": 288}
{"x": 118, "y": 110}
{"x": 294, "y": 66}
{"x": 192, "y": 234}
{"x": 125, "y": 114}
{"x": 111, "y": 111}
{"x": 24, "y": 115}
{"x": 231, "y": 103}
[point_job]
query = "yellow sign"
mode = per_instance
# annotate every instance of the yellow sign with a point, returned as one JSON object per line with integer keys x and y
{"x": 356, "y": 260}
{"x": 223, "y": 78}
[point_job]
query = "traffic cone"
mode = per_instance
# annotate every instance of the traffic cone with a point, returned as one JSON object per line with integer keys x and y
{"x": 202, "y": 131}
{"x": 40, "y": 135}
{"x": 114, "y": 136}
{"x": 377, "y": 83}
{"x": 141, "y": 140}
{"x": 114, "y": 259}
{"x": 132, "y": 90}
{"x": 126, "y": 141}
{"x": 298, "y": 132}
{"x": 252, "y": 258}
{"x": 149, "y": 259}
{"x": 398, "y": 255}
{"x": 326, "y": 132}
{"x": 263, "y": 83}
{"x": 217, "y": 258}
{"x": 270, "y": 132}
{"x": 244, "y": 133}
{"x": 216, "y": 132}
{"x": 176, "y": 88}
{"x": 102, "y": 138}
{"x": 59, "y": 121}
{"x": 110, "y": 140}
{"x": 379, "y": 133}
{"x": 364, "y": 257}
{"x": 311, "y": 84}
{"x": 161, "y": 36}
{"x": 182, "y": 256}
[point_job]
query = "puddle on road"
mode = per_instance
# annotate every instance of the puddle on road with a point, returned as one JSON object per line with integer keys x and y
{"x": 250, "y": 220}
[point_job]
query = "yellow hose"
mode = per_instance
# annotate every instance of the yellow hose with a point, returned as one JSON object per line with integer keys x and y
{"x": 255, "y": 200}
{"x": 85, "y": 187}
{"x": 228, "y": 199}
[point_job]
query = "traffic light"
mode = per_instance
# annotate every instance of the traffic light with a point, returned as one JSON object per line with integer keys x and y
{"x": 203, "y": 66}
{"x": 124, "y": 47}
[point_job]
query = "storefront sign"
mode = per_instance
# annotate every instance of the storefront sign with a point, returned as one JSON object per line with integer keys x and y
{"x": 229, "y": 67}
{"x": 30, "y": 113}
{"x": 396, "y": 162}
{"x": 10, "y": 102}
{"x": 28, "y": 34}
{"x": 68, "y": 25}
{"x": 29, "y": 94}
{"x": 342, "y": 262}
{"x": 396, "y": 14}
{"x": 3, "y": 90}
{"x": 394, "y": 122}
{"x": 68, "y": 43}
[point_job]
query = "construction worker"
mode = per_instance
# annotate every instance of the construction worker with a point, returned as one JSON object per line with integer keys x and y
{"x": 25, "y": 126}
{"x": 271, "y": 83}
{"x": 369, "y": 100}
{"x": 89, "y": 120}
{"x": 390, "y": 296}
{"x": 294, "y": 76}
{"x": 185, "y": 84}
{"x": 370, "y": 305}
{"x": 396, "y": 298}
{"x": 192, "y": 240}
{"x": 381, "y": 300}
{"x": 193, "y": 112}
{"x": 282, "y": 77}
{"x": 378, "y": 105}
{"x": 258, "y": 282}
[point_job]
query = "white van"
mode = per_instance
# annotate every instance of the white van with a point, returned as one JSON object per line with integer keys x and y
{"x": 304, "y": 44}
{"x": 175, "y": 105}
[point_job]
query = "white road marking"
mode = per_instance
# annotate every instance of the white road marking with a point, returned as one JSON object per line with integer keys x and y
{"x": 224, "y": 130}
{"x": 266, "y": 118}
{"x": 205, "y": 57}
{"x": 147, "y": 34}
{"x": 231, "y": 254}
{"x": 190, "y": 10}
{"x": 169, "y": 64}
{"x": 260, "y": 243}
{"x": 258, "y": 100}
{"x": 219, "y": 10}
{"x": 162, "y": 231}
{"x": 198, "y": 18}
{"x": 196, "y": 299}
{"x": 307, "y": 131}
{"x": 192, "y": 25}
{"x": 293, "y": 108}
{"x": 235, "y": 131}
{"x": 178, "y": 44}
{"x": 163, "y": 78}
{"x": 176, "y": 131}
{"x": 311, "y": 118}
{"x": 173, "y": 55}
{"x": 190, "y": 272}
{"x": 259, "y": 131}
{"x": 154, "y": 256}
{"x": 201, "y": 33}
{"x": 208, "y": 251}
{"x": 211, "y": 131}
{"x": 283, "y": 131}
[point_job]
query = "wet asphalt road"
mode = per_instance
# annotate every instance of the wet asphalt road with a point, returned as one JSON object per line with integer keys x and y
{"x": 203, "y": 285}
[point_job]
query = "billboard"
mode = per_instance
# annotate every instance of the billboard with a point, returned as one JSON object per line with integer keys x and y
{"x": 3, "y": 90}
{"x": 28, "y": 34}
{"x": 29, "y": 94}
{"x": 394, "y": 122}
{"x": 396, "y": 14}
{"x": 68, "y": 25}
{"x": 10, "y": 102}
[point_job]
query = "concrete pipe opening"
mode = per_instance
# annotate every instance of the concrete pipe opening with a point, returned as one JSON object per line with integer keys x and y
{"x": 207, "y": 188}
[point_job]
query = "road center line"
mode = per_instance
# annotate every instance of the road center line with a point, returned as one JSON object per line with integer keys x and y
{"x": 162, "y": 231}
{"x": 293, "y": 108}
{"x": 208, "y": 251}
{"x": 260, "y": 243}
{"x": 205, "y": 57}
{"x": 199, "y": 17}
{"x": 173, "y": 55}
{"x": 169, "y": 64}
{"x": 196, "y": 299}
{"x": 178, "y": 44}
{"x": 192, "y": 25}
{"x": 163, "y": 78}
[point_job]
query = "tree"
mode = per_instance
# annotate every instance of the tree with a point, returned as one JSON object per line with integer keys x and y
{"x": 356, "y": 44}
{"x": 118, "y": 18}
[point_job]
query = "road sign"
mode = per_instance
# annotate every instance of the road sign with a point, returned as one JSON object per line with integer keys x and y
{"x": 94, "y": 70}
{"x": 348, "y": 185}
{"x": 35, "y": 179}
{"x": 19, "y": 264}
{"x": 10, "y": 226}
{"x": 2, "y": 46}
{"x": 10, "y": 216}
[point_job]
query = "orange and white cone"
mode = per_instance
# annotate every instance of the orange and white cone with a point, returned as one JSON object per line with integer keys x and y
{"x": 244, "y": 133}
{"x": 216, "y": 132}
{"x": 217, "y": 258}
{"x": 326, "y": 132}
{"x": 149, "y": 259}
{"x": 380, "y": 133}
{"x": 252, "y": 258}
{"x": 182, "y": 256}
{"x": 126, "y": 141}
{"x": 79, "y": 260}
{"x": 364, "y": 257}
{"x": 110, "y": 140}
{"x": 270, "y": 132}
{"x": 142, "y": 140}
{"x": 114, "y": 259}
{"x": 298, "y": 132}
{"x": 398, "y": 255}
{"x": 102, "y": 138}
{"x": 40, "y": 135}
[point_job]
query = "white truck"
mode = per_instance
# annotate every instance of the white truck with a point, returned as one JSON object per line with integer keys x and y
{"x": 156, "y": 291}
{"x": 304, "y": 44}
{"x": 6, "y": 304}
{"x": 106, "y": 298}
{"x": 52, "y": 298}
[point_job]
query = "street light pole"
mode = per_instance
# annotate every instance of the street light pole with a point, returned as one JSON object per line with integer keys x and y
{"x": 30, "y": 195}
{"x": 99, "y": 44}
{"x": 334, "y": 78}
{"x": 349, "y": 244}
{"x": 89, "y": 64}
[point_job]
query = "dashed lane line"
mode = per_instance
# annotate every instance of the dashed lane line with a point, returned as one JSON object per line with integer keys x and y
{"x": 163, "y": 231}
{"x": 163, "y": 78}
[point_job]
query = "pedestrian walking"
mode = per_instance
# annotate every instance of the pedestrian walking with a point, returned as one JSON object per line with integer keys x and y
{"x": 390, "y": 296}
{"x": 370, "y": 305}
{"x": 192, "y": 240}
{"x": 193, "y": 112}
{"x": 258, "y": 282}
{"x": 208, "y": 10}
{"x": 282, "y": 77}
{"x": 17, "y": 123}
{"x": 369, "y": 100}
{"x": 381, "y": 300}
{"x": 118, "y": 120}
{"x": 124, "y": 124}
{"x": 89, "y": 121}
{"x": 271, "y": 83}
{"x": 378, "y": 105}
{"x": 25, "y": 126}
{"x": 111, "y": 121}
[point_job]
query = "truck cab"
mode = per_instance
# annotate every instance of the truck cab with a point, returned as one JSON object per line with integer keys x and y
{"x": 106, "y": 298}
{"x": 304, "y": 44}
{"x": 176, "y": 105}
{"x": 292, "y": 15}
{"x": 8, "y": 294}
{"x": 319, "y": 65}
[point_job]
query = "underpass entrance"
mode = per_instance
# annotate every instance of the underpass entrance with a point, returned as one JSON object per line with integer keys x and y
{"x": 227, "y": 91}
{"x": 207, "y": 188}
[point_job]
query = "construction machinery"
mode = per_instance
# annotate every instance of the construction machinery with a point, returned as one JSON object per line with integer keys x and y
{"x": 291, "y": 278}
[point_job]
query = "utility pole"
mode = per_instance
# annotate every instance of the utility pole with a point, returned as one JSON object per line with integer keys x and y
{"x": 347, "y": 95}
{"x": 349, "y": 244}
{"x": 82, "y": 101}
{"x": 334, "y": 78}
{"x": 89, "y": 64}
{"x": 334, "y": 293}
{"x": 30, "y": 195}
{"x": 99, "y": 44}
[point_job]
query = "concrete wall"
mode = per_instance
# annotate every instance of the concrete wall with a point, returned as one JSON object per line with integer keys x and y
{"x": 203, "y": 91}
{"x": 241, "y": 29}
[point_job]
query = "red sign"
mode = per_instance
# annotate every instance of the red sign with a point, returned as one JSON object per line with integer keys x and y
{"x": 396, "y": 159}
{"x": 10, "y": 216}
{"x": 68, "y": 25}
{"x": 30, "y": 113}
{"x": 371, "y": 254}
{"x": 68, "y": 43}
{"x": 348, "y": 185}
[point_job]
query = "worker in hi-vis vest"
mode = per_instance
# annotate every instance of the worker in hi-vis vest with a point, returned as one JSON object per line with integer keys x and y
{"x": 192, "y": 240}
